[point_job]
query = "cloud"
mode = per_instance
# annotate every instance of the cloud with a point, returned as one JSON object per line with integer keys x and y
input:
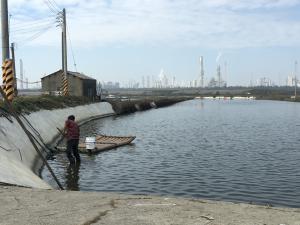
{"x": 253, "y": 4}
{"x": 195, "y": 23}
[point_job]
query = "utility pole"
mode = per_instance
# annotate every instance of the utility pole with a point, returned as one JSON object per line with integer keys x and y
{"x": 14, "y": 68}
{"x": 62, "y": 51}
{"x": 64, "y": 42}
{"x": 65, "y": 86}
{"x": 5, "y": 33}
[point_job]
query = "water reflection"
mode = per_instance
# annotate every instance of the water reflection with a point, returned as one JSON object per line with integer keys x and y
{"x": 72, "y": 177}
{"x": 201, "y": 106}
{"x": 231, "y": 150}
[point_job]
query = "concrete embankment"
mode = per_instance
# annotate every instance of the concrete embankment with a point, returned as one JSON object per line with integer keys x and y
{"x": 18, "y": 158}
{"x": 19, "y": 162}
{"x": 37, "y": 206}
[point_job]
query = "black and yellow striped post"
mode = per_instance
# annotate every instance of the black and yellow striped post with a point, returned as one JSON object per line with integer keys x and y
{"x": 4, "y": 77}
{"x": 65, "y": 85}
{"x": 8, "y": 75}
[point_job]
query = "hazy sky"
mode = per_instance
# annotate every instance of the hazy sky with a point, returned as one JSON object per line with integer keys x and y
{"x": 122, "y": 40}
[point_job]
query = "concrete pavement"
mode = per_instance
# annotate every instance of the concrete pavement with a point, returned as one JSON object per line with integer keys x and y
{"x": 37, "y": 206}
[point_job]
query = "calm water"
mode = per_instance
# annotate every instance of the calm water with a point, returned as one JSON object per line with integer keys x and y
{"x": 243, "y": 151}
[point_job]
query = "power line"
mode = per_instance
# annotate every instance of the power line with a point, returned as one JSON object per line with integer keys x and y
{"x": 28, "y": 32}
{"x": 29, "y": 28}
{"x": 32, "y": 29}
{"x": 54, "y": 3}
{"x": 25, "y": 34}
{"x": 75, "y": 65}
{"x": 51, "y": 7}
{"x": 26, "y": 82}
{"x": 36, "y": 35}
{"x": 32, "y": 21}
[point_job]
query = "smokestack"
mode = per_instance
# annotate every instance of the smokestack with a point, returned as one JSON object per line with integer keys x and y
{"x": 201, "y": 72}
{"x": 219, "y": 75}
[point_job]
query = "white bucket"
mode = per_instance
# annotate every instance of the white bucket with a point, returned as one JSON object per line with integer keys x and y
{"x": 90, "y": 143}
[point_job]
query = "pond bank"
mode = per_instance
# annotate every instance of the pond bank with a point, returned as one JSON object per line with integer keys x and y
{"x": 19, "y": 162}
{"x": 144, "y": 103}
{"x": 42, "y": 115}
{"x": 36, "y": 206}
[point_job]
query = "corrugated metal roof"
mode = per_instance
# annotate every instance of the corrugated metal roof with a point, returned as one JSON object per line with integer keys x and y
{"x": 76, "y": 74}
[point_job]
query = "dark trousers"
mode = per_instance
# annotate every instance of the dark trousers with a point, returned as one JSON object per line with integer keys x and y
{"x": 72, "y": 150}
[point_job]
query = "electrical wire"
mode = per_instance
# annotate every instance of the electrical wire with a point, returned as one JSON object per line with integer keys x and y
{"x": 26, "y": 82}
{"x": 75, "y": 65}
{"x": 31, "y": 23}
{"x": 37, "y": 27}
{"x": 25, "y": 33}
{"x": 32, "y": 29}
{"x": 54, "y": 4}
{"x": 28, "y": 25}
{"x": 35, "y": 36}
{"x": 50, "y": 6}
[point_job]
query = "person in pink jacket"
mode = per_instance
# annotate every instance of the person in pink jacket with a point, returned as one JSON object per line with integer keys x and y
{"x": 72, "y": 132}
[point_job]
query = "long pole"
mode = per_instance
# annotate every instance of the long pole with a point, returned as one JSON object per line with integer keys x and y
{"x": 62, "y": 52}
{"x": 4, "y": 28}
{"x": 14, "y": 114}
{"x": 65, "y": 67}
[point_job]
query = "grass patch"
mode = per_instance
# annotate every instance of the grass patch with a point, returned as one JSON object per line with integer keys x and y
{"x": 28, "y": 104}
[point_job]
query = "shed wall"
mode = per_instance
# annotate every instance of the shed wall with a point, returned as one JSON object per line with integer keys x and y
{"x": 77, "y": 85}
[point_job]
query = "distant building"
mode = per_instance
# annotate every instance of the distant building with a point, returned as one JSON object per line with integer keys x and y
{"x": 148, "y": 82}
{"x": 111, "y": 85}
{"x": 195, "y": 83}
{"x": 290, "y": 81}
{"x": 212, "y": 83}
{"x": 265, "y": 82}
{"x": 163, "y": 79}
{"x": 201, "y": 77}
{"x": 217, "y": 81}
{"x": 79, "y": 84}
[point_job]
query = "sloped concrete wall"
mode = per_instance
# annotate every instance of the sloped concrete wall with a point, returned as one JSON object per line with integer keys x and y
{"x": 17, "y": 155}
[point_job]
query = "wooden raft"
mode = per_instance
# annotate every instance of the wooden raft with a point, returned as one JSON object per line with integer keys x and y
{"x": 103, "y": 143}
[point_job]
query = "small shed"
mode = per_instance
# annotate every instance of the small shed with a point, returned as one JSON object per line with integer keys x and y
{"x": 79, "y": 84}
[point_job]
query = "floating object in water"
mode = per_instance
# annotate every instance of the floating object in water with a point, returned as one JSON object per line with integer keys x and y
{"x": 153, "y": 105}
{"x": 103, "y": 143}
{"x": 100, "y": 143}
{"x": 90, "y": 143}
